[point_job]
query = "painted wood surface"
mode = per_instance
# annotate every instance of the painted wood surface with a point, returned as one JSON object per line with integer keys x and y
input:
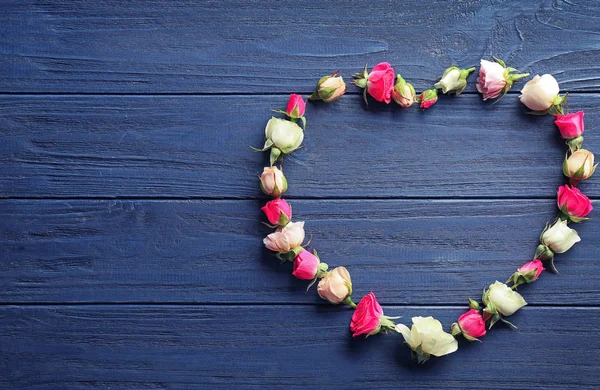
{"x": 130, "y": 234}
{"x": 190, "y": 146}
{"x": 406, "y": 251}
{"x": 287, "y": 347}
{"x": 284, "y": 46}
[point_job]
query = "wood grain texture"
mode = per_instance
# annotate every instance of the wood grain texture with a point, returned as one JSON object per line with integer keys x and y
{"x": 191, "y": 146}
{"x": 407, "y": 252}
{"x": 188, "y": 347}
{"x": 285, "y": 46}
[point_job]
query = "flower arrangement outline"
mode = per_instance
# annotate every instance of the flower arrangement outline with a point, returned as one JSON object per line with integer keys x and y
{"x": 426, "y": 336}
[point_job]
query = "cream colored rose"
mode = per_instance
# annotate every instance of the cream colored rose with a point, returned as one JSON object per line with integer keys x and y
{"x": 286, "y": 135}
{"x": 560, "y": 237}
{"x": 273, "y": 182}
{"x": 332, "y": 89}
{"x": 580, "y": 165}
{"x": 335, "y": 286}
{"x": 540, "y": 92}
{"x": 286, "y": 239}
{"x": 505, "y": 300}
{"x": 427, "y": 333}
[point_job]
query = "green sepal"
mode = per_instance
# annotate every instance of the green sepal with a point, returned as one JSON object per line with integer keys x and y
{"x": 473, "y": 304}
{"x": 455, "y": 330}
{"x": 275, "y": 155}
{"x": 498, "y": 60}
{"x": 574, "y": 144}
{"x": 543, "y": 253}
{"x": 268, "y": 144}
{"x": 348, "y": 301}
{"x": 326, "y": 93}
{"x": 420, "y": 356}
{"x": 314, "y": 96}
{"x": 508, "y": 323}
{"x": 303, "y": 122}
{"x": 495, "y": 318}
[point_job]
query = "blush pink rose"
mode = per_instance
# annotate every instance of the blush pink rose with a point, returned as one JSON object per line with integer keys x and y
{"x": 532, "y": 265}
{"x": 306, "y": 265}
{"x": 295, "y": 107}
{"x": 278, "y": 211}
{"x": 491, "y": 80}
{"x": 367, "y": 316}
{"x": 572, "y": 202}
{"x": 381, "y": 82}
{"x": 570, "y": 125}
{"x": 472, "y": 324}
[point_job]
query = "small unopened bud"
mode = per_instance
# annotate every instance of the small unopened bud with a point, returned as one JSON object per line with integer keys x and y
{"x": 454, "y": 80}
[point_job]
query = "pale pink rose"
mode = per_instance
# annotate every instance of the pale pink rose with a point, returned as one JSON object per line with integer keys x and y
{"x": 580, "y": 165}
{"x": 278, "y": 211}
{"x": 472, "y": 324}
{"x": 491, "y": 79}
{"x": 306, "y": 265}
{"x": 532, "y": 265}
{"x": 273, "y": 182}
{"x": 335, "y": 286}
{"x": 367, "y": 316}
{"x": 572, "y": 202}
{"x": 287, "y": 238}
{"x": 570, "y": 125}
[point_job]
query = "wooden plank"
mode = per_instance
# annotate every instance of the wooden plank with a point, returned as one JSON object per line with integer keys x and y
{"x": 406, "y": 251}
{"x": 193, "y": 146}
{"x": 191, "y": 347}
{"x": 241, "y": 46}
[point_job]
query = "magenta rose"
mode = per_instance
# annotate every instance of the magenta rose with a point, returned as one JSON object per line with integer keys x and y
{"x": 295, "y": 107}
{"x": 381, "y": 82}
{"x": 570, "y": 125}
{"x": 278, "y": 211}
{"x": 491, "y": 79}
{"x": 367, "y": 316}
{"x": 472, "y": 324}
{"x": 306, "y": 265}
{"x": 535, "y": 265}
{"x": 572, "y": 202}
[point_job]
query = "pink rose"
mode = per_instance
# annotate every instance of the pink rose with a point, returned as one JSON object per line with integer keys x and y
{"x": 472, "y": 324}
{"x": 381, "y": 82}
{"x": 306, "y": 265}
{"x": 428, "y": 98}
{"x": 278, "y": 211}
{"x": 491, "y": 79}
{"x": 570, "y": 125}
{"x": 367, "y": 316}
{"x": 531, "y": 266}
{"x": 295, "y": 107}
{"x": 572, "y": 202}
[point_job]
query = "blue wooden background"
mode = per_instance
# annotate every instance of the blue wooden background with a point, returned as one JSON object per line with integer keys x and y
{"x": 130, "y": 234}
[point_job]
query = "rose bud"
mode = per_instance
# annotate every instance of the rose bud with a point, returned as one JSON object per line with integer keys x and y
{"x": 426, "y": 338}
{"x": 573, "y": 204}
{"x": 336, "y": 286}
{"x": 559, "y": 237}
{"x": 329, "y": 88}
{"x": 454, "y": 80}
{"x": 570, "y": 125}
{"x": 501, "y": 300}
{"x": 428, "y": 98}
{"x": 541, "y": 94}
{"x": 286, "y": 239}
{"x": 278, "y": 212}
{"x": 403, "y": 92}
{"x": 283, "y": 136}
{"x": 368, "y": 318}
{"x": 495, "y": 78}
{"x": 534, "y": 268}
{"x": 579, "y": 165}
{"x": 295, "y": 107}
{"x": 306, "y": 265}
{"x": 379, "y": 83}
{"x": 273, "y": 182}
{"x": 471, "y": 325}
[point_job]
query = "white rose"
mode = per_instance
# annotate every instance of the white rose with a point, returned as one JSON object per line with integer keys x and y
{"x": 505, "y": 299}
{"x": 560, "y": 238}
{"x": 539, "y": 93}
{"x": 427, "y": 333}
{"x": 295, "y": 233}
{"x": 451, "y": 81}
{"x": 285, "y": 135}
